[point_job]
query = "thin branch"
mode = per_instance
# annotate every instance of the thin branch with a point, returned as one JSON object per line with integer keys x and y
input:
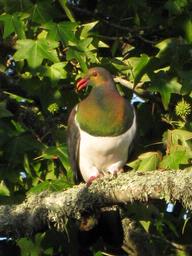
{"x": 124, "y": 82}
{"x": 107, "y": 21}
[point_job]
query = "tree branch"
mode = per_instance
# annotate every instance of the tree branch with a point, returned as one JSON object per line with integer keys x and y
{"x": 54, "y": 208}
{"x": 108, "y": 21}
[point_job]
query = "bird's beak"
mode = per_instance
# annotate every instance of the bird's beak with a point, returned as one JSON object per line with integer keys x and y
{"x": 82, "y": 83}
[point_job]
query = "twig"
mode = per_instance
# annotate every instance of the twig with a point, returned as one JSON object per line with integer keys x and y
{"x": 107, "y": 20}
{"x": 124, "y": 82}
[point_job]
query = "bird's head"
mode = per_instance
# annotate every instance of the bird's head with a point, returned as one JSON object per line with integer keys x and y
{"x": 96, "y": 77}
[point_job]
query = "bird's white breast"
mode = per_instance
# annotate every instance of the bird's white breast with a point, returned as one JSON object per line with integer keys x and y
{"x": 104, "y": 153}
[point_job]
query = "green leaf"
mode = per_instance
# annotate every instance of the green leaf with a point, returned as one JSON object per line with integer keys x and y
{"x": 171, "y": 226}
{"x": 72, "y": 53}
{"x": 68, "y": 12}
{"x": 17, "y": 97}
{"x": 188, "y": 30}
{"x": 98, "y": 254}
{"x": 81, "y": 52}
{"x": 185, "y": 224}
{"x": 26, "y": 245}
{"x": 186, "y": 81}
{"x": 20, "y": 145}
{"x": 175, "y": 159}
{"x": 12, "y": 6}
{"x": 19, "y": 127}
{"x": 136, "y": 67}
{"x": 135, "y": 164}
{"x": 176, "y": 6}
{"x": 35, "y": 51}
{"x": 26, "y": 165}
{"x": 12, "y": 23}
{"x": 31, "y": 247}
{"x": 101, "y": 44}
{"x": 163, "y": 45}
{"x": 165, "y": 86}
{"x": 52, "y": 185}
{"x": 4, "y": 191}
{"x": 149, "y": 161}
{"x": 86, "y": 28}
{"x": 42, "y": 12}
{"x": 56, "y": 71}
{"x": 178, "y": 148}
{"x": 177, "y": 137}
{"x": 63, "y": 31}
{"x": 181, "y": 136}
{"x": 146, "y": 162}
{"x": 180, "y": 252}
{"x": 139, "y": 67}
{"x": 3, "y": 110}
{"x": 145, "y": 225}
{"x": 60, "y": 152}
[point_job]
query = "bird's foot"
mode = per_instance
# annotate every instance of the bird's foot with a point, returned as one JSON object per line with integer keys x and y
{"x": 91, "y": 179}
{"x": 111, "y": 173}
{"x": 114, "y": 173}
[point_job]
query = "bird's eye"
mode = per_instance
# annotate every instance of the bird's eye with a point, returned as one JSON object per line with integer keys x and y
{"x": 94, "y": 73}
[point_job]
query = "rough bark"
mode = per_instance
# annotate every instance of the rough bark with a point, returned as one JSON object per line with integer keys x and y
{"x": 55, "y": 208}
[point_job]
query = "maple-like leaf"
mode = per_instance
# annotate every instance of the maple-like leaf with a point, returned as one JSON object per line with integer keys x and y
{"x": 12, "y": 24}
{"x": 165, "y": 86}
{"x": 35, "y": 51}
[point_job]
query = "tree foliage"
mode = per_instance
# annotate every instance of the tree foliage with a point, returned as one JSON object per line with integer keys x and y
{"x": 46, "y": 45}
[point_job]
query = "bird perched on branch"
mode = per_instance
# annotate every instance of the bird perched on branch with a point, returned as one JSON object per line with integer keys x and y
{"x": 100, "y": 131}
{"x": 100, "y": 128}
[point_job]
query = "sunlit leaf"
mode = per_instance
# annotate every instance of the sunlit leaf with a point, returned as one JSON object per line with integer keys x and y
{"x": 56, "y": 71}
{"x": 146, "y": 162}
{"x": 175, "y": 159}
{"x": 98, "y": 254}
{"x": 73, "y": 54}
{"x": 86, "y": 28}
{"x": 64, "y": 4}
{"x": 4, "y": 191}
{"x": 35, "y": 51}
{"x": 177, "y": 137}
{"x": 179, "y": 147}
{"x": 101, "y": 44}
{"x": 145, "y": 224}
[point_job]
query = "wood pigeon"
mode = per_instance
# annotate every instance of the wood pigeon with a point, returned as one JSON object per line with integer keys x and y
{"x": 100, "y": 128}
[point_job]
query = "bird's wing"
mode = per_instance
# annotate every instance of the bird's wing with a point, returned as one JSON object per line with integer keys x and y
{"x": 73, "y": 141}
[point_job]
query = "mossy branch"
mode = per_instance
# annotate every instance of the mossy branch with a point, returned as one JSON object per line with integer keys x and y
{"x": 55, "y": 208}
